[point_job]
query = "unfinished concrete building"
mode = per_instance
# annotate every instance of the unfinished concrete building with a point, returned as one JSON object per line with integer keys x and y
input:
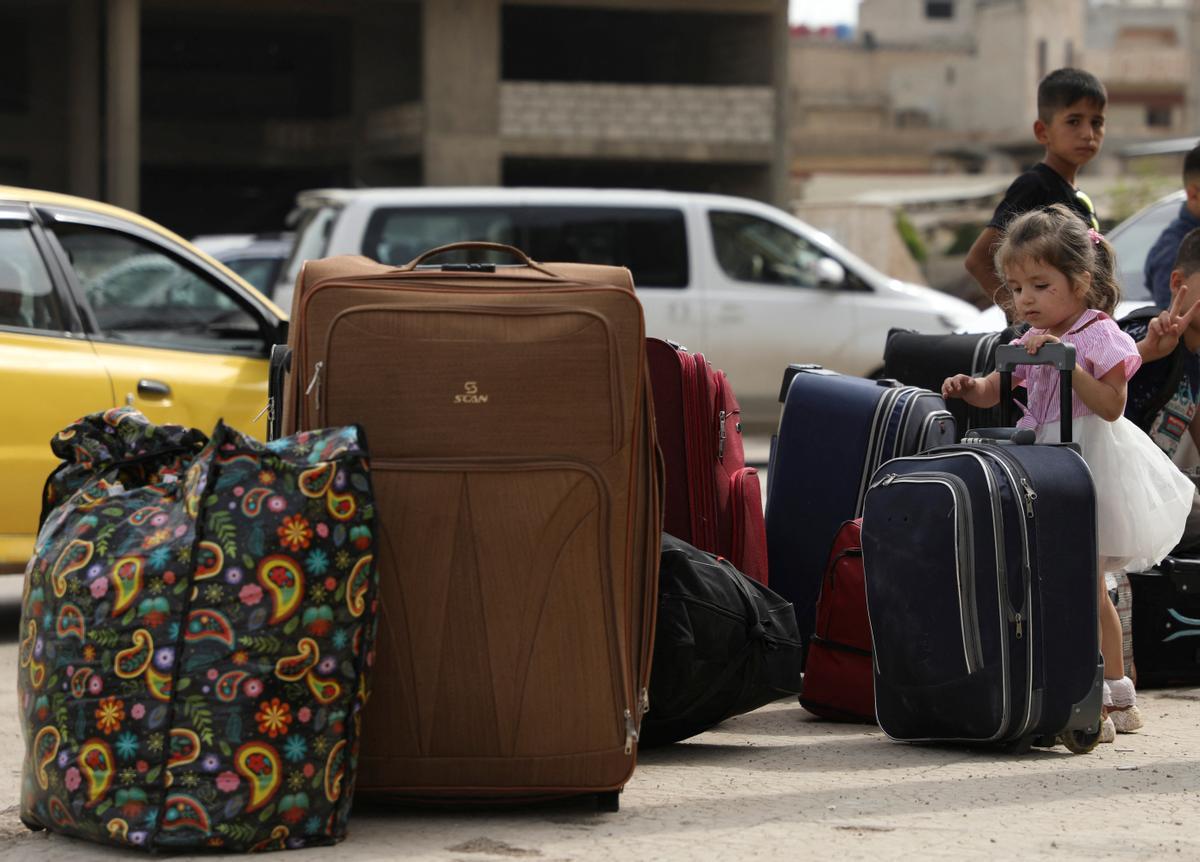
{"x": 211, "y": 114}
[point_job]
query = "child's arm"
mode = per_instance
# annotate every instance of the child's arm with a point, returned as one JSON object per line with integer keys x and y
{"x": 976, "y": 391}
{"x": 1105, "y": 397}
{"x": 981, "y": 263}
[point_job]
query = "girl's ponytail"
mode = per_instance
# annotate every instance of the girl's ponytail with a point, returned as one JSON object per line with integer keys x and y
{"x": 1105, "y": 292}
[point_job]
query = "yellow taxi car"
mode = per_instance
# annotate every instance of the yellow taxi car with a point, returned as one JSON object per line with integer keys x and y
{"x": 100, "y": 307}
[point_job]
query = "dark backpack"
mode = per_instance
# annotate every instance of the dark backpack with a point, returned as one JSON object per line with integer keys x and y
{"x": 724, "y": 645}
{"x": 1155, "y": 382}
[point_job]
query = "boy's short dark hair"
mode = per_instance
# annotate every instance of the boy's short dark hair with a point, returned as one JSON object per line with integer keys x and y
{"x": 1066, "y": 86}
{"x": 1191, "y": 166}
{"x": 1188, "y": 259}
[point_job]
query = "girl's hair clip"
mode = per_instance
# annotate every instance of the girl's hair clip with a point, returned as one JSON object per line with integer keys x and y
{"x": 1094, "y": 236}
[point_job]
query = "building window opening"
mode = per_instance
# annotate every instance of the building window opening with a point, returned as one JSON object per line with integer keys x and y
{"x": 939, "y": 8}
{"x": 1158, "y": 118}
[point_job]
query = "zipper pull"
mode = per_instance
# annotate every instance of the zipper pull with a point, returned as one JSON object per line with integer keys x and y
{"x": 268, "y": 409}
{"x": 1030, "y": 496}
{"x": 721, "y": 435}
{"x": 312, "y": 384}
{"x": 885, "y": 481}
{"x": 631, "y": 732}
{"x": 1020, "y": 626}
{"x": 645, "y": 701}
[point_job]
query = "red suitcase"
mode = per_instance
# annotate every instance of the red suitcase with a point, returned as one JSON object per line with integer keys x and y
{"x": 838, "y": 681}
{"x": 713, "y": 500}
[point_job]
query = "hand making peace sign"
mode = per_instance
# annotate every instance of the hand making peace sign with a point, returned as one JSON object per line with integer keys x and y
{"x": 1166, "y": 329}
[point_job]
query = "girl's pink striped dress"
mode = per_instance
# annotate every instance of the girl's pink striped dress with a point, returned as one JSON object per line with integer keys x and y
{"x": 1142, "y": 499}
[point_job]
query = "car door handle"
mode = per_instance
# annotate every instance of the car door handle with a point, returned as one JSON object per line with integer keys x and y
{"x": 154, "y": 388}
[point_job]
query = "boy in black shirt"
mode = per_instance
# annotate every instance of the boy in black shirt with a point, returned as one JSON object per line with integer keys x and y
{"x": 1070, "y": 125}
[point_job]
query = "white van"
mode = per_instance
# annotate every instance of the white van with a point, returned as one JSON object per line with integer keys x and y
{"x": 748, "y": 285}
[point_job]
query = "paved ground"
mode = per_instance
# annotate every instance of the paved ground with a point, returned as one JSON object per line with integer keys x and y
{"x": 778, "y": 784}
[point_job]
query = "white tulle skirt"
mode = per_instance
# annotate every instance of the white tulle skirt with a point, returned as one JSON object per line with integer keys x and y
{"x": 1142, "y": 498}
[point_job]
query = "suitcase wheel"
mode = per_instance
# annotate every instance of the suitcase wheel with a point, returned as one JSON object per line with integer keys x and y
{"x": 1080, "y": 741}
{"x": 1020, "y": 746}
{"x": 609, "y": 802}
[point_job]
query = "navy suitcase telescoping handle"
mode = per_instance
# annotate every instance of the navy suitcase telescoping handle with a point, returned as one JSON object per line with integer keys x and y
{"x": 1060, "y": 355}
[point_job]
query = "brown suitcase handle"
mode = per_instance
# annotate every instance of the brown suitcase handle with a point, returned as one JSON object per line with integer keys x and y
{"x": 487, "y": 246}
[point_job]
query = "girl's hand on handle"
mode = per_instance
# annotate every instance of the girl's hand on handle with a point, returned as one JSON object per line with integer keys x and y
{"x": 1034, "y": 343}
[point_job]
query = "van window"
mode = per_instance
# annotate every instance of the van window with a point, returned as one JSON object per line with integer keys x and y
{"x": 753, "y": 249}
{"x": 651, "y": 242}
{"x": 395, "y": 236}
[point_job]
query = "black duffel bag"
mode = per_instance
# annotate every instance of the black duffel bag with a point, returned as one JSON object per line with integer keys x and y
{"x": 724, "y": 645}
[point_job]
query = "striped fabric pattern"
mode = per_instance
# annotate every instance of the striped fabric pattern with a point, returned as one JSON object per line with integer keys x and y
{"x": 1100, "y": 346}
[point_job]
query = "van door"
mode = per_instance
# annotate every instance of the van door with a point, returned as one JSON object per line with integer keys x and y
{"x": 765, "y": 307}
{"x": 651, "y": 241}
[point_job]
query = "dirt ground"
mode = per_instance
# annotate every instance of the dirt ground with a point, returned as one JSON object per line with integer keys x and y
{"x": 778, "y": 784}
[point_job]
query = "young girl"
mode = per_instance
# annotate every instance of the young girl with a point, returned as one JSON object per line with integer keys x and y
{"x": 1060, "y": 276}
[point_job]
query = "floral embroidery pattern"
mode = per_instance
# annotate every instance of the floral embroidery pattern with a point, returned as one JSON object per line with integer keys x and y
{"x": 273, "y": 717}
{"x": 109, "y": 715}
{"x": 197, "y": 626}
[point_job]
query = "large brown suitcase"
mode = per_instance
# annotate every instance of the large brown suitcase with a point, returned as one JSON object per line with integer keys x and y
{"x": 511, "y": 429}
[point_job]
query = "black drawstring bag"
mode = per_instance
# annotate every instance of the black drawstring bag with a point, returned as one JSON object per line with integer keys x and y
{"x": 724, "y": 645}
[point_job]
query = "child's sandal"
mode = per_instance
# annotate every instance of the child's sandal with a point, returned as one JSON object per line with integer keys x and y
{"x": 1120, "y": 704}
{"x": 1125, "y": 719}
{"x": 1108, "y": 729}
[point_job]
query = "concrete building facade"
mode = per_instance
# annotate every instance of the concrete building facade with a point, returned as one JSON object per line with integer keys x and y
{"x": 210, "y": 114}
{"x": 951, "y": 84}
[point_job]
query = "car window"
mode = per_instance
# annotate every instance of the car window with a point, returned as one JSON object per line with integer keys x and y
{"x": 753, "y": 249}
{"x": 1133, "y": 243}
{"x": 138, "y": 293}
{"x": 651, "y": 242}
{"x": 395, "y": 236}
{"x": 259, "y": 271}
{"x": 27, "y": 298}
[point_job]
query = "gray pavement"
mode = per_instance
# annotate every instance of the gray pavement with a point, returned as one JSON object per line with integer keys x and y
{"x": 777, "y": 784}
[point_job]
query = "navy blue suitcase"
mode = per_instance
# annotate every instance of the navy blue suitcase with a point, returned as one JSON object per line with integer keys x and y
{"x": 980, "y": 562}
{"x": 833, "y": 432}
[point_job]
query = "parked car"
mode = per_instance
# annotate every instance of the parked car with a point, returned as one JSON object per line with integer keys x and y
{"x": 1131, "y": 240}
{"x": 748, "y": 285}
{"x": 258, "y": 258}
{"x": 100, "y": 307}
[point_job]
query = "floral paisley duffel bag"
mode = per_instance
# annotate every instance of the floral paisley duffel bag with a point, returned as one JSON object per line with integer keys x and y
{"x": 196, "y": 632}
